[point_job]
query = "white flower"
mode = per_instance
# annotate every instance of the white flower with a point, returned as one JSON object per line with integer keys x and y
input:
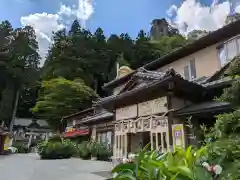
{"x": 205, "y": 164}
{"x": 125, "y": 160}
{"x": 131, "y": 156}
{"x": 217, "y": 169}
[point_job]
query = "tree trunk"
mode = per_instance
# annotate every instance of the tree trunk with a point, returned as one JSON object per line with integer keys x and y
{"x": 7, "y": 103}
{"x": 14, "y": 112}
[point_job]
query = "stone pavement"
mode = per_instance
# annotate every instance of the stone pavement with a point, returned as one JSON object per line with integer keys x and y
{"x": 30, "y": 167}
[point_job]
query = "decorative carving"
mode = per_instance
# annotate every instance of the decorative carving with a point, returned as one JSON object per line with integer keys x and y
{"x": 126, "y": 112}
{"x": 159, "y": 122}
{"x": 139, "y": 124}
{"x": 146, "y": 123}
{"x": 152, "y": 107}
{"x": 132, "y": 124}
{"x": 118, "y": 127}
{"x": 125, "y": 127}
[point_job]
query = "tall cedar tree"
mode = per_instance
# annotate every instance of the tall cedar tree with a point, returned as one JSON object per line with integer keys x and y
{"x": 93, "y": 57}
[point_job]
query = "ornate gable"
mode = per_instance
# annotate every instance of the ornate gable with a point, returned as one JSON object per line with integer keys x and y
{"x": 143, "y": 77}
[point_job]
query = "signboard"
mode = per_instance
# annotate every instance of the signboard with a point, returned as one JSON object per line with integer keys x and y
{"x": 6, "y": 143}
{"x": 178, "y": 136}
{"x": 126, "y": 112}
{"x": 152, "y": 107}
{"x": 72, "y": 132}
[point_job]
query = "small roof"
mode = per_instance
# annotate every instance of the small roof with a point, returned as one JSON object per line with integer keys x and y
{"x": 96, "y": 117}
{"x": 209, "y": 106}
{"x": 157, "y": 82}
{"x": 79, "y": 113}
{"x": 214, "y": 37}
{"x": 27, "y": 121}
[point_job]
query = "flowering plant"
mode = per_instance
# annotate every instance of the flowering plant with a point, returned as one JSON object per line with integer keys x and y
{"x": 215, "y": 170}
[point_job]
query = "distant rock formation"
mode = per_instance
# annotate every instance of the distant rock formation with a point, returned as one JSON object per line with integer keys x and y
{"x": 197, "y": 34}
{"x": 160, "y": 27}
{"x": 232, "y": 17}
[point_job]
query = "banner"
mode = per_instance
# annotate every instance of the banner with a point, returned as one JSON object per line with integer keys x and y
{"x": 178, "y": 136}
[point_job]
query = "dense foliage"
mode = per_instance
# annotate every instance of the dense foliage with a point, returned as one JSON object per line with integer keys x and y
{"x": 60, "y": 97}
{"x": 19, "y": 61}
{"x": 21, "y": 147}
{"x": 56, "y": 150}
{"x": 92, "y": 57}
{"x": 182, "y": 164}
{"x": 223, "y": 138}
{"x": 101, "y": 151}
{"x": 77, "y": 53}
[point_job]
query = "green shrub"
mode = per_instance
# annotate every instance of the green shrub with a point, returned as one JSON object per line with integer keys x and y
{"x": 55, "y": 138}
{"x": 104, "y": 152}
{"x": 94, "y": 148}
{"x": 21, "y": 147}
{"x": 56, "y": 150}
{"x": 84, "y": 150}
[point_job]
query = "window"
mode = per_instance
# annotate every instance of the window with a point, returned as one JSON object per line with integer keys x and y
{"x": 238, "y": 45}
{"x": 193, "y": 69}
{"x": 222, "y": 55}
{"x": 186, "y": 72}
{"x": 190, "y": 70}
{"x": 229, "y": 50}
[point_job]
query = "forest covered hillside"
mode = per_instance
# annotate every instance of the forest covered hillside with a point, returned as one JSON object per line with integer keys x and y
{"x": 78, "y": 63}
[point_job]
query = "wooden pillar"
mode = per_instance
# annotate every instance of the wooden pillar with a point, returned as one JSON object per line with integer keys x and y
{"x": 118, "y": 145}
{"x": 122, "y": 145}
{"x": 157, "y": 141}
{"x": 115, "y": 147}
{"x": 170, "y": 114}
{"x": 151, "y": 137}
{"x": 125, "y": 145}
{"x": 162, "y": 143}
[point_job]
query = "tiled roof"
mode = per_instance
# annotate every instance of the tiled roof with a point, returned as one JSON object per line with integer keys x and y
{"x": 98, "y": 116}
{"x": 26, "y": 122}
{"x": 203, "y": 107}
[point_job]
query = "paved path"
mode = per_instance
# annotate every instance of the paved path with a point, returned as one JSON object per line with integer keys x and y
{"x": 30, "y": 167}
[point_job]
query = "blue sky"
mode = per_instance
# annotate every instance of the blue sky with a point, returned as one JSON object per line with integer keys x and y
{"x": 113, "y": 16}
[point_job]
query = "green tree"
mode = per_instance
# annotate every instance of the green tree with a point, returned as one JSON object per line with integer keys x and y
{"x": 60, "y": 97}
{"x": 226, "y": 131}
{"x": 20, "y": 60}
{"x": 166, "y": 44}
{"x": 92, "y": 57}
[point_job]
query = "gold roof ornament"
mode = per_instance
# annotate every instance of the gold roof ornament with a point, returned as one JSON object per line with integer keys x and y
{"x": 124, "y": 70}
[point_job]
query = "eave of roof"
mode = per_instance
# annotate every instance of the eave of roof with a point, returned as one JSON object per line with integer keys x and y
{"x": 214, "y": 37}
{"x": 159, "y": 85}
{"x": 205, "y": 107}
{"x": 79, "y": 113}
{"x": 98, "y": 116}
{"x": 117, "y": 81}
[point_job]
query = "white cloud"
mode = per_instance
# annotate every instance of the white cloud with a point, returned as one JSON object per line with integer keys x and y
{"x": 191, "y": 14}
{"x": 83, "y": 11}
{"x": 173, "y": 8}
{"x": 237, "y": 9}
{"x": 44, "y": 23}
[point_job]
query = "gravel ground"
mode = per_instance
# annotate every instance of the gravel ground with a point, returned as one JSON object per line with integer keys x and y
{"x": 30, "y": 167}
